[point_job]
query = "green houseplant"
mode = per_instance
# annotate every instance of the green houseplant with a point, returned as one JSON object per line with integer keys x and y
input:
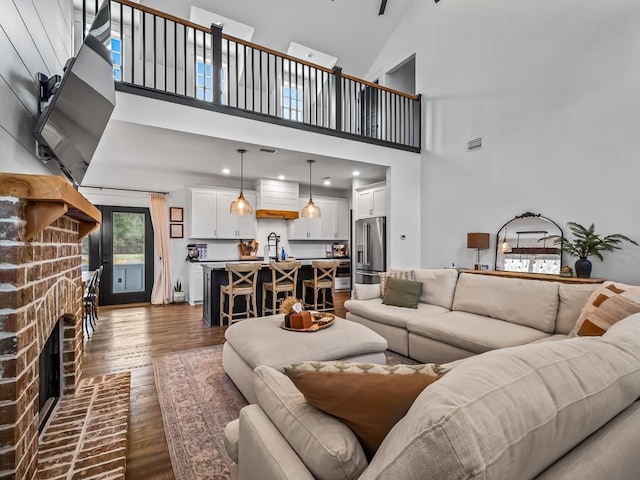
{"x": 178, "y": 295}
{"x": 587, "y": 243}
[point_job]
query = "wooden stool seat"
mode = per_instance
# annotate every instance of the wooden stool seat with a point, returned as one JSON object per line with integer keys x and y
{"x": 242, "y": 282}
{"x": 284, "y": 278}
{"x": 324, "y": 276}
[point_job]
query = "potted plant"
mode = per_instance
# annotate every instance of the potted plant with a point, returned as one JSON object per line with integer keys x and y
{"x": 178, "y": 295}
{"x": 587, "y": 243}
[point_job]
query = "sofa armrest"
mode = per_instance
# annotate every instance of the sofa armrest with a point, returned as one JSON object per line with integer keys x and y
{"x": 263, "y": 452}
{"x": 362, "y": 291}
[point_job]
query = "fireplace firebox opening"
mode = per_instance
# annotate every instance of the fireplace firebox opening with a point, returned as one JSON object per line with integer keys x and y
{"x": 50, "y": 375}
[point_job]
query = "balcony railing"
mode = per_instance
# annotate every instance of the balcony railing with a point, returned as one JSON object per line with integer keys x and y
{"x": 159, "y": 55}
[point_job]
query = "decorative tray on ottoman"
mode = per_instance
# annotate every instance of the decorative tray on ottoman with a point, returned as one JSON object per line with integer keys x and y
{"x": 320, "y": 322}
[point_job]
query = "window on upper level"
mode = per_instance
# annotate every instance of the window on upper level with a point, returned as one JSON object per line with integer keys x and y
{"x": 292, "y": 103}
{"x": 204, "y": 81}
{"x": 116, "y": 56}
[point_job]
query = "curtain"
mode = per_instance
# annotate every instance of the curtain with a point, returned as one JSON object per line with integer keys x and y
{"x": 161, "y": 292}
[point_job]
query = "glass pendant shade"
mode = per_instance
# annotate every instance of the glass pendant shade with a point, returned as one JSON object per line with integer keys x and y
{"x": 310, "y": 210}
{"x": 240, "y": 206}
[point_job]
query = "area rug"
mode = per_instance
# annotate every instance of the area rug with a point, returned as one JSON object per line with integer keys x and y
{"x": 197, "y": 400}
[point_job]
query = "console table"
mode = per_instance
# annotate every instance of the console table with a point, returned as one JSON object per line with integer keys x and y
{"x": 534, "y": 276}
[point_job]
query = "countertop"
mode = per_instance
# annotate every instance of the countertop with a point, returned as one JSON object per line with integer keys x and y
{"x": 305, "y": 261}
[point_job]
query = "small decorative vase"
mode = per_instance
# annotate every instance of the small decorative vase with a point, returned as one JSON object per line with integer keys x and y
{"x": 583, "y": 268}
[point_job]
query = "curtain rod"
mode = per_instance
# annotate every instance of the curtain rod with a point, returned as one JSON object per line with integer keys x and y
{"x": 123, "y": 189}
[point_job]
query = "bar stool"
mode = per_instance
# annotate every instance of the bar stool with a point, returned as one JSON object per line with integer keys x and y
{"x": 242, "y": 281}
{"x": 284, "y": 278}
{"x": 324, "y": 276}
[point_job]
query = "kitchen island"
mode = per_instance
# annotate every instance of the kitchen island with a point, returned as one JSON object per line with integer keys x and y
{"x": 215, "y": 275}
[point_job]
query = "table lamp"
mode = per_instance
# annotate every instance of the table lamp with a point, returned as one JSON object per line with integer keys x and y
{"x": 479, "y": 241}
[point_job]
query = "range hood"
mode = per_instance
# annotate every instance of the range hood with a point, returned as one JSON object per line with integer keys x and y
{"x": 277, "y": 199}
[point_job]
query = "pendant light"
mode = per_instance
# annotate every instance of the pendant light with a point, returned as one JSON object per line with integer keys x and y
{"x": 310, "y": 210}
{"x": 240, "y": 206}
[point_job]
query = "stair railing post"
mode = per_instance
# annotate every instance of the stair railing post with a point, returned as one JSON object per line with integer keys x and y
{"x": 216, "y": 64}
{"x": 337, "y": 75}
{"x": 417, "y": 122}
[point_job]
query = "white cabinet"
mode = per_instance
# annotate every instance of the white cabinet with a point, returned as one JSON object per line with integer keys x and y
{"x": 307, "y": 228}
{"x": 371, "y": 202}
{"x": 333, "y": 223}
{"x": 196, "y": 283}
{"x": 335, "y": 219}
{"x": 210, "y": 216}
{"x": 234, "y": 226}
{"x": 203, "y": 214}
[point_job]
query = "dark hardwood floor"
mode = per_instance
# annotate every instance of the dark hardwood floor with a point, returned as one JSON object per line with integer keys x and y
{"x": 126, "y": 338}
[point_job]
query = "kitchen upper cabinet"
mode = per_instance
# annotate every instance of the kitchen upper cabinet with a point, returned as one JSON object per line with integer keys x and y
{"x": 333, "y": 223}
{"x": 211, "y": 218}
{"x": 234, "y": 226}
{"x": 335, "y": 219}
{"x": 247, "y": 223}
{"x": 371, "y": 202}
{"x": 307, "y": 228}
{"x": 202, "y": 219}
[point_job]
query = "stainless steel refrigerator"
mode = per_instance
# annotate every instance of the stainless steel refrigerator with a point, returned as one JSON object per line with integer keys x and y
{"x": 371, "y": 247}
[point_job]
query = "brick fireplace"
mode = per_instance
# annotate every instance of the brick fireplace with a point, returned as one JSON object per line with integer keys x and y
{"x": 41, "y": 222}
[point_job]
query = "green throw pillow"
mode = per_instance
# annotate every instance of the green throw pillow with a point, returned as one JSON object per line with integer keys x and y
{"x": 402, "y": 293}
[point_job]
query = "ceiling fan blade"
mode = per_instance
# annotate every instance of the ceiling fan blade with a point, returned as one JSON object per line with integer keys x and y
{"x": 383, "y": 5}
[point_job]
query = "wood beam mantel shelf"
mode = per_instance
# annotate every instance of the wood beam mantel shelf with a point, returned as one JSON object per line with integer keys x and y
{"x": 49, "y": 197}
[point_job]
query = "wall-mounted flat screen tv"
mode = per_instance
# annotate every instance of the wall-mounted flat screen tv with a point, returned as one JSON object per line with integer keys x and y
{"x": 71, "y": 125}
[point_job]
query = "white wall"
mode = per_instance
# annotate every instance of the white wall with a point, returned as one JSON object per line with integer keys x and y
{"x": 553, "y": 90}
{"x": 403, "y": 179}
{"x": 35, "y": 37}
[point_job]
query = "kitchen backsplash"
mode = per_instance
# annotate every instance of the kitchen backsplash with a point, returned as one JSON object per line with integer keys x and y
{"x": 228, "y": 249}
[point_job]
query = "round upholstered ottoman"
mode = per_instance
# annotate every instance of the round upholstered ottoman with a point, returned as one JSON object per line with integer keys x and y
{"x": 261, "y": 341}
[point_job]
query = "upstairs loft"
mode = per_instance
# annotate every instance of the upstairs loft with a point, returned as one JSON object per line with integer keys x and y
{"x": 167, "y": 58}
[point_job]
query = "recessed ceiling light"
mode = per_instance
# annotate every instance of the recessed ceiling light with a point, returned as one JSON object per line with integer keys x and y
{"x": 226, "y": 171}
{"x": 356, "y": 173}
{"x": 327, "y": 182}
{"x": 280, "y": 177}
{"x": 308, "y": 55}
{"x": 220, "y": 24}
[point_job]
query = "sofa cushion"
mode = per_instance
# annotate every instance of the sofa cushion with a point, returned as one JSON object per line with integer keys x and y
{"x": 231, "y": 437}
{"x": 475, "y": 333}
{"x": 608, "y": 304}
{"x": 402, "y": 293}
{"x": 572, "y": 297}
{"x": 376, "y": 311}
{"x": 366, "y": 291}
{"x": 324, "y": 444}
{"x": 368, "y": 398}
{"x": 533, "y": 303}
{"x": 519, "y": 408}
{"x": 403, "y": 273}
{"x": 438, "y": 286}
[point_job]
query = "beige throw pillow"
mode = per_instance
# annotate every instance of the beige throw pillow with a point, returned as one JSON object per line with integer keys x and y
{"x": 404, "y": 274}
{"x": 608, "y": 304}
{"x": 370, "y": 399}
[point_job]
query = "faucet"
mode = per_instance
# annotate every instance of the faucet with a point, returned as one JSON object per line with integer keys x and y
{"x": 277, "y": 242}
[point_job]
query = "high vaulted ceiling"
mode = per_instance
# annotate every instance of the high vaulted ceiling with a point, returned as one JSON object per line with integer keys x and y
{"x": 350, "y": 30}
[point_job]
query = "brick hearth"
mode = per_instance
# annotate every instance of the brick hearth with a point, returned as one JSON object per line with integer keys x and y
{"x": 40, "y": 283}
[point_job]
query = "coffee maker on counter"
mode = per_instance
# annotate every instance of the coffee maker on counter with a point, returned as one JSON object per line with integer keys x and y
{"x": 339, "y": 250}
{"x": 196, "y": 251}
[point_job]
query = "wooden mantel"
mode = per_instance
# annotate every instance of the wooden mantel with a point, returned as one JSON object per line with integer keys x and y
{"x": 49, "y": 197}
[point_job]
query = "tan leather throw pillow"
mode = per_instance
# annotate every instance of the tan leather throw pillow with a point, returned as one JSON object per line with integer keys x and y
{"x": 370, "y": 399}
{"x": 608, "y": 304}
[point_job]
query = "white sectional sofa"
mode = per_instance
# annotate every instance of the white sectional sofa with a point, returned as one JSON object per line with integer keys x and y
{"x": 562, "y": 410}
{"x": 460, "y": 315}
